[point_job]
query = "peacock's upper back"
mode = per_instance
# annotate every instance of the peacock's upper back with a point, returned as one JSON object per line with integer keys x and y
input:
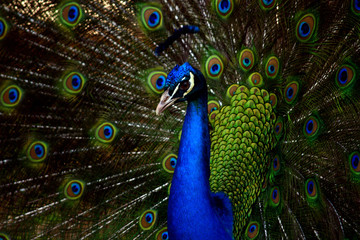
{"x": 83, "y": 155}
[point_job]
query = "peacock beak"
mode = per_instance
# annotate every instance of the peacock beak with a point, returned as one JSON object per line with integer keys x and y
{"x": 165, "y": 101}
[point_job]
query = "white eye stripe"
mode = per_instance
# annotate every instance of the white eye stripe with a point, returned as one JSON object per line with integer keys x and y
{"x": 192, "y": 83}
{"x": 176, "y": 89}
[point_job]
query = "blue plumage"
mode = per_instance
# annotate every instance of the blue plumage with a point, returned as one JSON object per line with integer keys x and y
{"x": 193, "y": 211}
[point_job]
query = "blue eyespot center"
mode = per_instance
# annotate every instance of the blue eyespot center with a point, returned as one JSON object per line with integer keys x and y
{"x": 277, "y": 128}
{"x": 154, "y": 19}
{"x": 274, "y": 194}
{"x": 215, "y": 108}
{"x": 215, "y": 69}
{"x": 271, "y": 69}
{"x": 13, "y": 95}
{"x": 2, "y": 27}
{"x": 309, "y": 126}
{"x": 73, "y": 13}
{"x": 310, "y": 187}
{"x": 160, "y": 83}
{"x": 268, "y": 2}
{"x": 246, "y": 62}
{"x": 75, "y": 188}
{"x": 149, "y": 218}
{"x": 343, "y": 76}
{"x": 164, "y": 235}
{"x": 252, "y": 228}
{"x": 275, "y": 163}
{"x": 173, "y": 162}
{"x": 224, "y": 6}
{"x": 290, "y": 92}
{"x": 304, "y": 29}
{"x": 108, "y": 132}
{"x": 357, "y": 5}
{"x": 75, "y": 82}
{"x": 39, "y": 150}
{"x": 355, "y": 161}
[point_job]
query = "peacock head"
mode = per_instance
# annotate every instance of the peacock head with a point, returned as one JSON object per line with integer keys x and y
{"x": 182, "y": 83}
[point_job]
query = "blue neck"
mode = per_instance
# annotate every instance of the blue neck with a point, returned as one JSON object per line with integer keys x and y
{"x": 191, "y": 212}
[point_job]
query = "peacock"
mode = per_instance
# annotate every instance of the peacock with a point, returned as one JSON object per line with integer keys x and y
{"x": 193, "y": 119}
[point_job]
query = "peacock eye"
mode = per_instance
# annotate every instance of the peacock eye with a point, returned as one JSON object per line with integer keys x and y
{"x": 152, "y": 18}
{"x": 252, "y": 230}
{"x": 71, "y": 14}
{"x": 3, "y": 28}
{"x": 162, "y": 234}
{"x": 184, "y": 85}
{"x": 74, "y": 82}
{"x": 11, "y": 96}
{"x": 305, "y": 27}
{"x": 147, "y": 219}
{"x": 37, "y": 151}
{"x": 74, "y": 189}
{"x": 3, "y": 236}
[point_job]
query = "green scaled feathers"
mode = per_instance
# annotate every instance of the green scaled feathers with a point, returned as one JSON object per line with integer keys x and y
{"x": 241, "y": 139}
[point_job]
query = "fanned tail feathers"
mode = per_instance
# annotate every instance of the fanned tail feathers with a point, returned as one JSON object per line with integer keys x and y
{"x": 83, "y": 155}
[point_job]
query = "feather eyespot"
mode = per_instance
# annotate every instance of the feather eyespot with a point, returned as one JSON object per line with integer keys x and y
{"x": 152, "y": 18}
{"x": 3, "y": 28}
{"x": 255, "y": 80}
{"x": 74, "y": 82}
{"x": 355, "y": 6}
{"x": 148, "y": 219}
{"x": 305, "y": 27}
{"x": 276, "y": 163}
{"x": 162, "y": 234}
{"x": 345, "y": 76}
{"x": 267, "y": 4}
{"x": 224, "y": 8}
{"x": 11, "y": 96}
{"x": 213, "y": 106}
{"x": 232, "y": 90}
{"x": 106, "y": 132}
{"x": 311, "y": 127}
{"x": 291, "y": 91}
{"x": 214, "y": 67}
{"x": 156, "y": 81}
{"x": 37, "y": 151}
{"x": 169, "y": 163}
{"x": 354, "y": 160}
{"x": 71, "y": 14}
{"x": 3, "y": 236}
{"x": 278, "y": 128}
{"x": 273, "y": 100}
{"x": 252, "y": 230}
{"x": 74, "y": 189}
{"x": 246, "y": 59}
{"x": 275, "y": 196}
{"x": 311, "y": 189}
{"x": 272, "y": 67}
{"x": 213, "y": 110}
